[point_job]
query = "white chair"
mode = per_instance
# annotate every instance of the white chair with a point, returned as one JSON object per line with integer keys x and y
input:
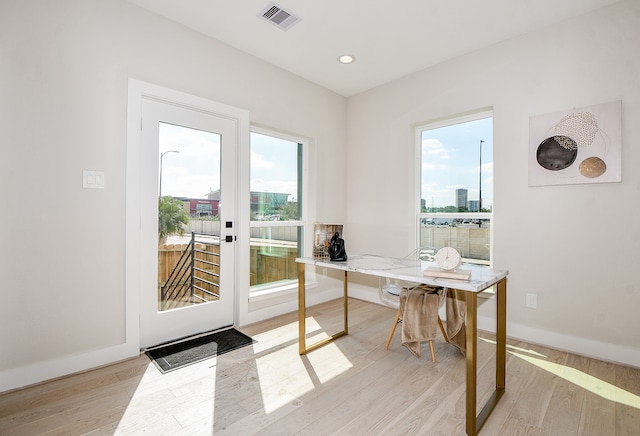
{"x": 389, "y": 294}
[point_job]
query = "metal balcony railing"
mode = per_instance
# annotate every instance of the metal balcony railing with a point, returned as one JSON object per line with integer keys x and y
{"x": 196, "y": 276}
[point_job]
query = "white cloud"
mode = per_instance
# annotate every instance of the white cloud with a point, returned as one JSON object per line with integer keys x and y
{"x": 434, "y": 148}
{"x": 259, "y": 161}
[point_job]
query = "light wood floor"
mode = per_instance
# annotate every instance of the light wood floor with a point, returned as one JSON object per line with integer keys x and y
{"x": 350, "y": 387}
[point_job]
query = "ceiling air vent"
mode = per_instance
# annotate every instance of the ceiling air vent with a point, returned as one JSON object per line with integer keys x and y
{"x": 278, "y": 16}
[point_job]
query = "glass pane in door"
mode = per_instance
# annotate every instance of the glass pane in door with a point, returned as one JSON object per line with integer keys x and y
{"x": 188, "y": 217}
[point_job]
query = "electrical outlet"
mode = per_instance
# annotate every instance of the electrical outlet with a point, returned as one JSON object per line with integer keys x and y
{"x": 93, "y": 179}
{"x": 532, "y": 301}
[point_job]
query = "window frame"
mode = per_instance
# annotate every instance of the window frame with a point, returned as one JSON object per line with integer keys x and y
{"x": 419, "y": 215}
{"x": 277, "y": 290}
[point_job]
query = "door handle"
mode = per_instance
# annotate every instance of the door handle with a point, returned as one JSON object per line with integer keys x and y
{"x": 228, "y": 238}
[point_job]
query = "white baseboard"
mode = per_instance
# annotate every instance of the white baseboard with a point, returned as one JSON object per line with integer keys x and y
{"x": 573, "y": 344}
{"x": 23, "y": 376}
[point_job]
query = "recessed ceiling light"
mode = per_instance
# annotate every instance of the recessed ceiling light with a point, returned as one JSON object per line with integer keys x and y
{"x": 346, "y": 59}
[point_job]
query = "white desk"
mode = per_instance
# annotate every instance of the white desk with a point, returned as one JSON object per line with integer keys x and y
{"x": 411, "y": 271}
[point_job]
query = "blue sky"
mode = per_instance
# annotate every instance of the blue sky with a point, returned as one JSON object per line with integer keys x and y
{"x": 274, "y": 164}
{"x": 195, "y": 169}
{"x": 451, "y": 160}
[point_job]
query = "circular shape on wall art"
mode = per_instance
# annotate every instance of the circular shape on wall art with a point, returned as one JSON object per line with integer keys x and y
{"x": 581, "y": 127}
{"x": 554, "y": 155}
{"x": 592, "y": 167}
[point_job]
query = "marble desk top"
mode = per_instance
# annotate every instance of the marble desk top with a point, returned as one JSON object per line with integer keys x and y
{"x": 411, "y": 270}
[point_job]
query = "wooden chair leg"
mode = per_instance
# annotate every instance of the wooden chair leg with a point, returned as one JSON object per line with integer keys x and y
{"x": 444, "y": 333}
{"x": 446, "y": 338}
{"x": 431, "y": 348}
{"x": 393, "y": 329}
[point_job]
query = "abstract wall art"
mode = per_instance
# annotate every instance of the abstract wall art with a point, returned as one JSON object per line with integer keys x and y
{"x": 576, "y": 146}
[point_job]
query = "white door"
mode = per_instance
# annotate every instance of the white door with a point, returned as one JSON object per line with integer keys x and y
{"x": 188, "y": 167}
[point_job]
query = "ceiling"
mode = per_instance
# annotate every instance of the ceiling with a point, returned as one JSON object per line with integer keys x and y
{"x": 389, "y": 39}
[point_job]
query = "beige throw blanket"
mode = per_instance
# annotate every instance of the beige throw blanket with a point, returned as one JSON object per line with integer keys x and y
{"x": 456, "y": 309}
{"x": 419, "y": 312}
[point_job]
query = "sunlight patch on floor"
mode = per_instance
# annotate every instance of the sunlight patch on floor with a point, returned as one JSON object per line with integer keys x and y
{"x": 281, "y": 378}
{"x": 328, "y": 362}
{"x": 585, "y": 381}
{"x": 276, "y": 337}
{"x": 285, "y": 376}
{"x": 168, "y": 394}
{"x": 286, "y": 334}
{"x": 512, "y": 347}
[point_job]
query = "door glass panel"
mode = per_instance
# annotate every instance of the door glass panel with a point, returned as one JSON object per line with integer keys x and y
{"x": 188, "y": 217}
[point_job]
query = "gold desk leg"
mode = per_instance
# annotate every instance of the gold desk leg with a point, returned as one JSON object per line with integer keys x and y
{"x": 346, "y": 304}
{"x": 474, "y": 424}
{"x": 302, "y": 315}
{"x": 472, "y": 360}
{"x": 501, "y": 339}
{"x": 302, "y": 312}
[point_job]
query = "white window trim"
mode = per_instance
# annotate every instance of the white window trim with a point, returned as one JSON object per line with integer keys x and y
{"x": 435, "y": 124}
{"x": 291, "y": 223}
{"x": 273, "y": 294}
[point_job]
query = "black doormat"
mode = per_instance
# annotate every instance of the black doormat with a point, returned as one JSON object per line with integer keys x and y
{"x": 177, "y": 355}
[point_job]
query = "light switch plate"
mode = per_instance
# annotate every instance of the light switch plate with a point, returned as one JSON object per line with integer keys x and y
{"x": 532, "y": 301}
{"x": 93, "y": 179}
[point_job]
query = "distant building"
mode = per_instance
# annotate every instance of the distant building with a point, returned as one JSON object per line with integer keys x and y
{"x": 473, "y": 206}
{"x": 461, "y": 198}
{"x": 263, "y": 204}
{"x": 200, "y": 207}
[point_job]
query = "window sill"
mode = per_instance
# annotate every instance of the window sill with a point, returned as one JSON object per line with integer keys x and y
{"x": 274, "y": 292}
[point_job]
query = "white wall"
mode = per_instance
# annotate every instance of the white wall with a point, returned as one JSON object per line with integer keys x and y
{"x": 574, "y": 246}
{"x": 64, "y": 68}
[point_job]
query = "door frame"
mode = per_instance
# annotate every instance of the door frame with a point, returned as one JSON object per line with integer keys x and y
{"x": 133, "y": 249}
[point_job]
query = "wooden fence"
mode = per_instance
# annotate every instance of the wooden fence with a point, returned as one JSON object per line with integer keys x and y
{"x": 267, "y": 265}
{"x": 472, "y": 243}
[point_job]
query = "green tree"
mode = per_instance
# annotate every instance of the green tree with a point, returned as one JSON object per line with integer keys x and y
{"x": 171, "y": 217}
{"x": 289, "y": 212}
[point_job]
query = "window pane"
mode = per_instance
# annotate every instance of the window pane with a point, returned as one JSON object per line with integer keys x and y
{"x": 275, "y": 198}
{"x": 471, "y": 237}
{"x": 456, "y": 183}
{"x": 273, "y": 255}
{"x": 457, "y": 167}
{"x": 274, "y": 179}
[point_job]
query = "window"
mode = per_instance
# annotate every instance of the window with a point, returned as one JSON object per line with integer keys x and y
{"x": 276, "y": 212}
{"x": 456, "y": 186}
